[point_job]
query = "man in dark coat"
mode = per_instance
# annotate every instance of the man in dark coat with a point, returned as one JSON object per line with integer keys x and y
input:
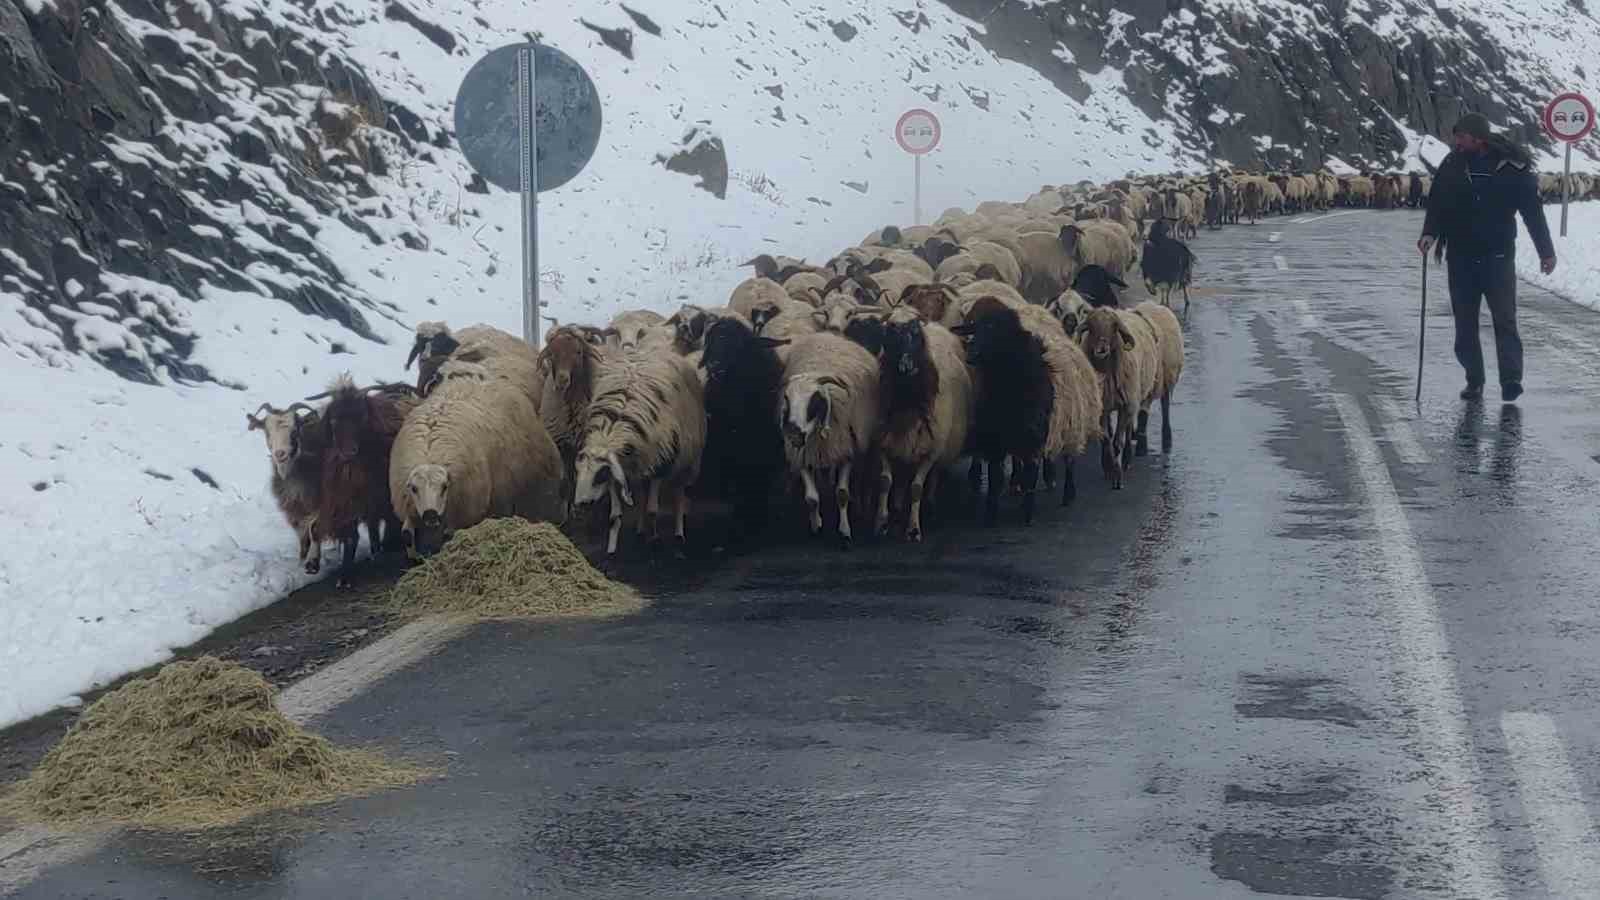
{"x": 1477, "y": 193}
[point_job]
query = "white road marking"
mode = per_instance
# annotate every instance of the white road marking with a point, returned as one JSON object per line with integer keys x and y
{"x": 1274, "y": 237}
{"x": 1307, "y": 318}
{"x": 1280, "y": 262}
{"x": 1399, "y": 430}
{"x": 27, "y": 853}
{"x": 1569, "y": 852}
{"x": 1332, "y": 215}
{"x": 1423, "y": 655}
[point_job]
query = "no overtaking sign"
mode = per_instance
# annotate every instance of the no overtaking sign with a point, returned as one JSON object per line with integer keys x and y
{"x": 1569, "y": 117}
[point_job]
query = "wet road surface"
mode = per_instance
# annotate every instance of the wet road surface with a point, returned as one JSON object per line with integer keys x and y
{"x": 1334, "y": 645}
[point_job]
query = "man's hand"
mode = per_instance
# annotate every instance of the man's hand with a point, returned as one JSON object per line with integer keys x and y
{"x": 1547, "y": 265}
{"x": 1424, "y": 244}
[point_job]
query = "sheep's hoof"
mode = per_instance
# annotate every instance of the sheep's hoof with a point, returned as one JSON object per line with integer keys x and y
{"x": 313, "y": 567}
{"x": 342, "y": 583}
{"x": 844, "y": 542}
{"x": 1142, "y": 449}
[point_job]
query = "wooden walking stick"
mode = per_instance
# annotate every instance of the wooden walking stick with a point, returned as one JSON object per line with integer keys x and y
{"x": 1422, "y": 329}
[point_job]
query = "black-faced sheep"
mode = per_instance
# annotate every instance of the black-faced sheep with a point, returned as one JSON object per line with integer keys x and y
{"x": 691, "y": 322}
{"x": 359, "y": 427}
{"x": 1098, "y": 286}
{"x": 1038, "y": 397}
{"x": 928, "y": 409}
{"x": 1168, "y": 263}
{"x": 781, "y": 268}
{"x": 294, "y": 444}
{"x": 647, "y": 427}
{"x": 478, "y": 351}
{"x": 828, "y": 409}
{"x": 471, "y": 451}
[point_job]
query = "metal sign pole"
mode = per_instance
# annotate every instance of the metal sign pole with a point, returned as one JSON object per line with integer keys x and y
{"x": 916, "y": 197}
{"x": 1566, "y": 181}
{"x": 528, "y": 130}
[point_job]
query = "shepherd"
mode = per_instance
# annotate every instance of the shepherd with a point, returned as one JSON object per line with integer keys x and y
{"x": 1479, "y": 189}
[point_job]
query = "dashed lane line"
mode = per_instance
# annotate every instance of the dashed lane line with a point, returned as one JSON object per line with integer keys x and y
{"x": 1275, "y": 237}
{"x": 27, "y": 853}
{"x": 1280, "y": 262}
{"x": 1569, "y": 852}
{"x": 1454, "y": 806}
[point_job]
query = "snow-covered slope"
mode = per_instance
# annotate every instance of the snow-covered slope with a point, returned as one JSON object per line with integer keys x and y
{"x": 238, "y": 200}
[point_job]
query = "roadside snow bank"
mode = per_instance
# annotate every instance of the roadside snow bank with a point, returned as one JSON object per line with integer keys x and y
{"x": 1577, "y": 274}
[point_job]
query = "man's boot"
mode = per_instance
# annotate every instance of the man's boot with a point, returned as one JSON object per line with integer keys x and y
{"x": 1472, "y": 392}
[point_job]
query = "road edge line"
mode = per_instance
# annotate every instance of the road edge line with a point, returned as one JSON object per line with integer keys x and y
{"x": 1552, "y": 801}
{"x": 1422, "y": 651}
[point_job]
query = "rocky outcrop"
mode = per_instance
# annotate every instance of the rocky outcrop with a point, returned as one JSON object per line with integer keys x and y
{"x": 1282, "y": 85}
{"x": 156, "y": 156}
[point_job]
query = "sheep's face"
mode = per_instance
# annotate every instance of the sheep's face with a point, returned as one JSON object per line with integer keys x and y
{"x": 631, "y": 337}
{"x": 690, "y": 323}
{"x": 866, "y": 330}
{"x": 806, "y": 411}
{"x": 760, "y": 315}
{"x": 429, "y": 487}
{"x": 283, "y": 432}
{"x": 992, "y": 332}
{"x": 599, "y": 470}
{"x": 905, "y": 347}
{"x": 1068, "y": 309}
{"x": 564, "y": 360}
{"x": 1102, "y": 335}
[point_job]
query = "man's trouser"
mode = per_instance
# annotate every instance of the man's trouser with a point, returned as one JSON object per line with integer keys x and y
{"x": 1491, "y": 278}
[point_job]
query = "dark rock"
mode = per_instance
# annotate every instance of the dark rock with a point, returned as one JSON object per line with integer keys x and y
{"x": 844, "y": 31}
{"x": 618, "y": 39}
{"x": 478, "y": 184}
{"x": 775, "y": 90}
{"x": 642, "y": 20}
{"x": 702, "y": 156}
{"x": 441, "y": 38}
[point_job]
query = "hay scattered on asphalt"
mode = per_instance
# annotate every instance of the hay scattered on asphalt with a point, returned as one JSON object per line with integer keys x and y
{"x": 511, "y": 568}
{"x": 198, "y": 744}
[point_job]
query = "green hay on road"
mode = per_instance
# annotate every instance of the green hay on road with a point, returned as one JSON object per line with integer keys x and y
{"x": 198, "y": 744}
{"x": 510, "y": 568}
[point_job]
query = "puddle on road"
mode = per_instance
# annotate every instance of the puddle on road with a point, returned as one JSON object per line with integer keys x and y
{"x": 1289, "y": 697}
{"x": 1308, "y": 866}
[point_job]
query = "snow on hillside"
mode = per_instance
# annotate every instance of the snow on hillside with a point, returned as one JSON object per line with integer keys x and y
{"x": 138, "y": 515}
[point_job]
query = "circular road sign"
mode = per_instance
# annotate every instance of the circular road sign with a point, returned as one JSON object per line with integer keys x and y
{"x": 566, "y": 109}
{"x": 917, "y": 131}
{"x": 1569, "y": 117}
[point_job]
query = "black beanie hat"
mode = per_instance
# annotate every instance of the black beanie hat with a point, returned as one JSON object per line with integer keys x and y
{"x": 1475, "y": 124}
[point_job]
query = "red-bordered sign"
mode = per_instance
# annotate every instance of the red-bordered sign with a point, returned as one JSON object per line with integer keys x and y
{"x": 917, "y": 131}
{"x": 1569, "y": 117}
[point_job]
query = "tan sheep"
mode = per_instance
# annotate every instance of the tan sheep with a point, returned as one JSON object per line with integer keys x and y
{"x": 1121, "y": 348}
{"x": 1169, "y": 368}
{"x": 627, "y": 329}
{"x": 646, "y": 428}
{"x": 470, "y": 451}
{"x": 495, "y": 352}
{"x": 1047, "y": 265}
{"x": 828, "y": 411}
{"x": 806, "y": 287}
{"x": 981, "y": 253}
{"x": 752, "y": 291}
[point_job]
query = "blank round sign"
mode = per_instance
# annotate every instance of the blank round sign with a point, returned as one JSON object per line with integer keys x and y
{"x": 567, "y": 110}
{"x": 1569, "y": 117}
{"x": 917, "y": 131}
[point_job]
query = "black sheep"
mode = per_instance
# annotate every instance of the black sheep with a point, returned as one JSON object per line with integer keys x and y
{"x": 1167, "y": 263}
{"x": 743, "y": 458}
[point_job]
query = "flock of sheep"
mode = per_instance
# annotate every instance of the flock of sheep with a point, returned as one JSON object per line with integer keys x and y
{"x": 997, "y": 334}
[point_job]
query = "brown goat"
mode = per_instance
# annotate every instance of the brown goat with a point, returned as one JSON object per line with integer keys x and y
{"x": 294, "y": 443}
{"x": 358, "y": 429}
{"x": 571, "y": 365}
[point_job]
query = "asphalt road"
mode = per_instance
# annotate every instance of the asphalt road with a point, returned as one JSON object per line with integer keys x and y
{"x": 1333, "y": 645}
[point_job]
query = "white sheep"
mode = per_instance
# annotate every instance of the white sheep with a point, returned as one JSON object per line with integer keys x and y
{"x": 646, "y": 427}
{"x": 1121, "y": 347}
{"x": 628, "y": 328}
{"x": 753, "y": 291}
{"x": 828, "y": 410}
{"x": 472, "y": 450}
{"x": 1169, "y": 368}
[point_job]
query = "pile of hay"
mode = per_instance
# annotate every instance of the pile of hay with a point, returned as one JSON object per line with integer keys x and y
{"x": 200, "y": 743}
{"x": 511, "y": 568}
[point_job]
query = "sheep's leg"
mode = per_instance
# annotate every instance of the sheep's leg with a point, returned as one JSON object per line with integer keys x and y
{"x": 348, "y": 541}
{"x": 1069, "y": 485}
{"x": 1186, "y": 301}
{"x": 1141, "y": 436}
{"x": 1166, "y": 422}
{"x": 1030, "y": 481}
{"x": 841, "y": 491}
{"x": 996, "y": 473}
{"x": 975, "y": 476}
{"x": 679, "y": 533}
{"x": 1125, "y": 423}
{"x": 1047, "y": 468}
{"x": 918, "y": 481}
{"x": 885, "y": 488}
{"x": 649, "y": 520}
{"x": 310, "y": 551}
{"x": 616, "y": 520}
{"x": 813, "y": 499}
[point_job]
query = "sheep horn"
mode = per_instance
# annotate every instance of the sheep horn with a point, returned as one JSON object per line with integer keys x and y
{"x": 296, "y": 406}
{"x": 323, "y": 395}
{"x": 416, "y": 349}
{"x": 265, "y": 406}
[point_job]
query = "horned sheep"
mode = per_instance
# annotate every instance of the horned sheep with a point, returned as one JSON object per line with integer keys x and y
{"x": 295, "y": 446}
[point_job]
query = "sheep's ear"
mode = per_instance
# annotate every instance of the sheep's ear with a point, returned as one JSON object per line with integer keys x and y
{"x": 619, "y": 479}
{"x": 773, "y": 342}
{"x": 254, "y": 424}
{"x": 878, "y": 265}
{"x": 1127, "y": 336}
{"x": 964, "y": 330}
